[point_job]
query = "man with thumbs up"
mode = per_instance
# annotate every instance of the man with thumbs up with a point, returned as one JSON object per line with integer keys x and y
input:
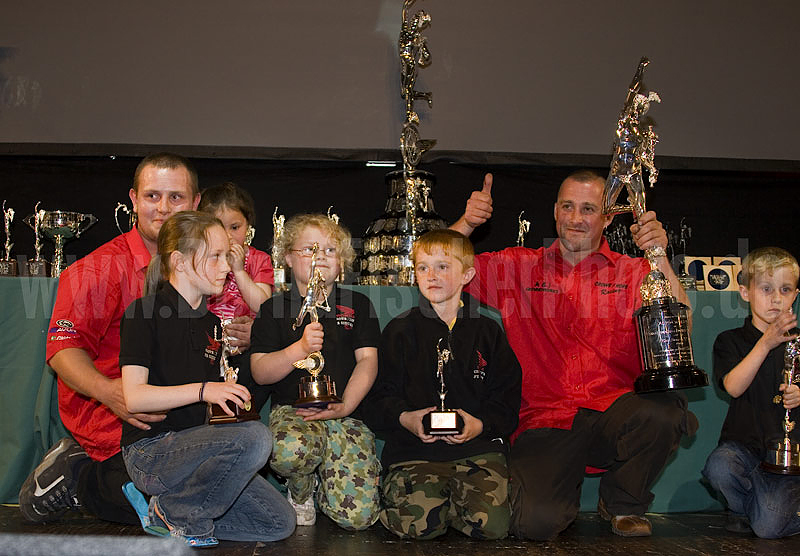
{"x": 568, "y": 313}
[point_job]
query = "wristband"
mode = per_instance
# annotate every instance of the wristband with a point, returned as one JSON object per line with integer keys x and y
{"x": 202, "y": 387}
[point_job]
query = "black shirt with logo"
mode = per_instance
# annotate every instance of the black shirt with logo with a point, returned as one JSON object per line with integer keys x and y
{"x": 178, "y": 345}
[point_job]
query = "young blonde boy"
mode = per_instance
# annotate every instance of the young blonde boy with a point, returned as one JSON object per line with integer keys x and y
{"x": 748, "y": 364}
{"x": 458, "y": 480}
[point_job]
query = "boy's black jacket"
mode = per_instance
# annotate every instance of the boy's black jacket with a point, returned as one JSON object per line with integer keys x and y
{"x": 483, "y": 378}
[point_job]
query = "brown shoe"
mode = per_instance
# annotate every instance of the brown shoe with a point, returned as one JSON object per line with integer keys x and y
{"x": 626, "y": 525}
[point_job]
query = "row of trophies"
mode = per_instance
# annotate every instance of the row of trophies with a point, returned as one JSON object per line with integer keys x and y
{"x": 57, "y": 226}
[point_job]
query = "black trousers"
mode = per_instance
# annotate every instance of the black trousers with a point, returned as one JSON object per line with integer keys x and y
{"x": 632, "y": 440}
{"x": 100, "y": 490}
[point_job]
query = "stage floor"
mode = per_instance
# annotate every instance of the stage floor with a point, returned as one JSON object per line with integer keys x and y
{"x": 674, "y": 534}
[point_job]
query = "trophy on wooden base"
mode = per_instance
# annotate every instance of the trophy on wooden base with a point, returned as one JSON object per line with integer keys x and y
{"x": 783, "y": 456}
{"x": 8, "y": 266}
{"x": 61, "y": 226}
{"x": 217, "y": 415}
{"x": 38, "y": 266}
{"x": 662, "y": 323}
{"x": 316, "y": 390}
{"x": 441, "y": 422}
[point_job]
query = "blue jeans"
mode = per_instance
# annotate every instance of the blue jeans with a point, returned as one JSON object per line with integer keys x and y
{"x": 770, "y": 501}
{"x": 205, "y": 482}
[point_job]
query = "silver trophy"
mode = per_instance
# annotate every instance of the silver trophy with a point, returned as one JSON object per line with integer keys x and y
{"x": 662, "y": 323}
{"x": 440, "y": 422}
{"x": 316, "y": 390}
{"x": 60, "y": 226}
{"x": 783, "y": 456}
{"x": 38, "y": 266}
{"x": 384, "y": 257}
{"x": 122, "y": 207}
{"x": 8, "y": 266}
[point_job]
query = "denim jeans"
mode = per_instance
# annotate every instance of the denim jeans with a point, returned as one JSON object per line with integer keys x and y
{"x": 770, "y": 501}
{"x": 205, "y": 482}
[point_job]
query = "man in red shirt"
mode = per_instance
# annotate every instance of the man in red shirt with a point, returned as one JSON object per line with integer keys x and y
{"x": 83, "y": 349}
{"x": 568, "y": 313}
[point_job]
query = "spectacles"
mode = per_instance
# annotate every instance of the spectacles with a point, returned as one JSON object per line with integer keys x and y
{"x": 309, "y": 251}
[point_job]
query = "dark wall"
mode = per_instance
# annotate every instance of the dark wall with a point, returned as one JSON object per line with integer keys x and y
{"x": 729, "y": 211}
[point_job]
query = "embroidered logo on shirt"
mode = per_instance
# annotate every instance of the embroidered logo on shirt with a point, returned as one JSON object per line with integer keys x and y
{"x": 64, "y": 323}
{"x": 212, "y": 349}
{"x": 345, "y": 316}
{"x": 479, "y": 373}
{"x": 63, "y": 331}
{"x": 610, "y": 287}
{"x": 542, "y": 286}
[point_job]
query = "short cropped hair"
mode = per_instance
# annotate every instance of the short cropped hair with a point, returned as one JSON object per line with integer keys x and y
{"x": 171, "y": 161}
{"x": 767, "y": 260}
{"x": 295, "y": 226}
{"x": 231, "y": 196}
{"x": 451, "y": 242}
{"x": 584, "y": 175}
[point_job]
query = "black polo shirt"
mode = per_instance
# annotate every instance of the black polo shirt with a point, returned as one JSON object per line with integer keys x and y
{"x": 350, "y": 324}
{"x": 176, "y": 343}
{"x": 753, "y": 419}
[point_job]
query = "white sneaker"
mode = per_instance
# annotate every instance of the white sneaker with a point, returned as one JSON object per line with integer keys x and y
{"x": 306, "y": 513}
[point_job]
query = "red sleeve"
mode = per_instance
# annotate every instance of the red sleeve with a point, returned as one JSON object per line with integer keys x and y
{"x": 259, "y": 267}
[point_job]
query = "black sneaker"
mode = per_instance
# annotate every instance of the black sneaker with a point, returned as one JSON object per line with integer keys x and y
{"x": 50, "y": 489}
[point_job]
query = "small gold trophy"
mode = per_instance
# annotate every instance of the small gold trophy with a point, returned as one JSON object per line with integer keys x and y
{"x": 317, "y": 390}
{"x": 38, "y": 266}
{"x": 662, "y": 323}
{"x": 524, "y": 228}
{"x": 217, "y": 415}
{"x": 8, "y": 266}
{"x": 440, "y": 422}
{"x": 279, "y": 272}
{"x": 783, "y": 456}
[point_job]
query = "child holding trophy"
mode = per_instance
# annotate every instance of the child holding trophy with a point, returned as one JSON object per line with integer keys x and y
{"x": 445, "y": 472}
{"x": 249, "y": 283}
{"x": 750, "y": 363}
{"x": 202, "y": 479}
{"x": 321, "y": 441}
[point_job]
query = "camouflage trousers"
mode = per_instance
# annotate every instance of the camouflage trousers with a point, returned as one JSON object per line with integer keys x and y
{"x": 340, "y": 453}
{"x": 423, "y": 498}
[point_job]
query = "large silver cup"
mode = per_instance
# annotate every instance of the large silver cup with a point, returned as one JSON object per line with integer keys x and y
{"x": 60, "y": 226}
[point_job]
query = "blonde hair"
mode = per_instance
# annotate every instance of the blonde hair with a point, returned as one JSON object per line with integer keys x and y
{"x": 186, "y": 232}
{"x": 338, "y": 233}
{"x": 451, "y": 242}
{"x": 767, "y": 260}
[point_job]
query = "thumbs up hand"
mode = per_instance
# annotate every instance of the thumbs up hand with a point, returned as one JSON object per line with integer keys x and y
{"x": 478, "y": 210}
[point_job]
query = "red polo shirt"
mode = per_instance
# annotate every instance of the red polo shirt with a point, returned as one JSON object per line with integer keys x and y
{"x": 93, "y": 293}
{"x": 571, "y": 327}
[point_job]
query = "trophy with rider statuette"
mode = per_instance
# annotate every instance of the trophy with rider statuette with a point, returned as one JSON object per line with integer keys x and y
{"x": 384, "y": 258}
{"x": 783, "y": 456}
{"x": 662, "y": 323}
{"x": 8, "y": 266}
{"x": 217, "y": 415}
{"x": 316, "y": 390}
{"x": 440, "y": 422}
{"x": 38, "y": 266}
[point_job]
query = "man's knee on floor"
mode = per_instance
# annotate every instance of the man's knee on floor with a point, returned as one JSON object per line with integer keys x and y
{"x": 541, "y": 522}
{"x": 410, "y": 523}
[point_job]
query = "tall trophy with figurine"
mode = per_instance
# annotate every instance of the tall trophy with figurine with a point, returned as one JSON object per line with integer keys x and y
{"x": 662, "y": 323}
{"x": 8, "y": 266}
{"x": 783, "y": 456}
{"x": 217, "y": 415}
{"x": 316, "y": 389}
{"x": 442, "y": 421}
{"x": 38, "y": 266}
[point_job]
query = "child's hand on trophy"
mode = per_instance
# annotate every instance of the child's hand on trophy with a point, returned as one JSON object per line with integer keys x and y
{"x": 791, "y": 396}
{"x": 312, "y": 337}
{"x": 472, "y": 428}
{"x": 220, "y": 393}
{"x": 332, "y": 411}
{"x": 412, "y": 422}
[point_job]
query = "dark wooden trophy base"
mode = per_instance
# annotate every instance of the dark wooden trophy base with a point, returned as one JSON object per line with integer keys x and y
{"x": 442, "y": 423}
{"x": 8, "y": 267}
{"x": 217, "y": 415}
{"x": 38, "y": 269}
{"x": 671, "y": 379}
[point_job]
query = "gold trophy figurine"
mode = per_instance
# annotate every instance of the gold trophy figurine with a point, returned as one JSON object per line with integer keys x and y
{"x": 8, "y": 266}
{"x": 783, "y": 456}
{"x": 217, "y": 415}
{"x": 441, "y": 422}
{"x": 662, "y": 323}
{"x": 524, "y": 228}
{"x": 317, "y": 390}
{"x": 278, "y": 221}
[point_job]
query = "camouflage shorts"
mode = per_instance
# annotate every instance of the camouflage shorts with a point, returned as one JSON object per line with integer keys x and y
{"x": 341, "y": 453}
{"x": 423, "y": 498}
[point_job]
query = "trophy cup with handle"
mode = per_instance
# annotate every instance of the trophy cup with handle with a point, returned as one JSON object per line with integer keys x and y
{"x": 217, "y": 415}
{"x": 8, "y": 266}
{"x": 61, "y": 226}
{"x": 316, "y": 390}
{"x": 441, "y": 422}
{"x": 662, "y": 323}
{"x": 783, "y": 456}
